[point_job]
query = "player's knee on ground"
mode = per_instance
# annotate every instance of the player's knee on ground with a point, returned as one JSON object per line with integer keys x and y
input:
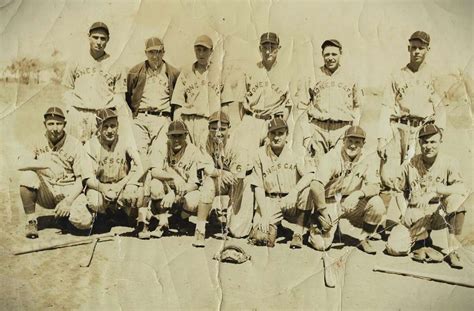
{"x": 399, "y": 242}
{"x": 207, "y": 191}
{"x": 157, "y": 189}
{"x": 29, "y": 179}
{"x": 95, "y": 201}
{"x": 376, "y": 211}
{"x": 80, "y": 216}
{"x": 191, "y": 201}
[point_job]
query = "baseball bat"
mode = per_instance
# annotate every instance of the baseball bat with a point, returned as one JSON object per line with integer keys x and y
{"x": 89, "y": 259}
{"x": 57, "y": 244}
{"x": 425, "y": 276}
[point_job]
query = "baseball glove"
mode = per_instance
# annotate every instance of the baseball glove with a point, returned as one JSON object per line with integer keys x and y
{"x": 232, "y": 254}
{"x": 259, "y": 238}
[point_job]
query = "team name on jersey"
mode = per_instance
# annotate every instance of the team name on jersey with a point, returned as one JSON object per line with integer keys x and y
{"x": 93, "y": 70}
{"x": 111, "y": 160}
{"x": 253, "y": 88}
{"x": 193, "y": 88}
{"x": 426, "y": 181}
{"x": 279, "y": 167}
{"x": 331, "y": 84}
{"x": 402, "y": 88}
{"x": 63, "y": 154}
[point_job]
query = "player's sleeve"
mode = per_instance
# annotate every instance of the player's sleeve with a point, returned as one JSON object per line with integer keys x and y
{"x": 121, "y": 81}
{"x": 371, "y": 185}
{"x": 327, "y": 169}
{"x": 179, "y": 92}
{"x": 387, "y": 109}
{"x": 454, "y": 174}
{"x": 69, "y": 77}
{"x": 238, "y": 162}
{"x": 256, "y": 178}
{"x": 136, "y": 165}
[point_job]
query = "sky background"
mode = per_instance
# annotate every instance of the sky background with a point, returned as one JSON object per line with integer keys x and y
{"x": 373, "y": 33}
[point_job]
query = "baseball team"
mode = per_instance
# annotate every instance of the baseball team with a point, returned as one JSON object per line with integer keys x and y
{"x": 151, "y": 148}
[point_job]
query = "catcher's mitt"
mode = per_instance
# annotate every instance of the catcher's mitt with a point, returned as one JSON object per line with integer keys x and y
{"x": 259, "y": 238}
{"x": 232, "y": 254}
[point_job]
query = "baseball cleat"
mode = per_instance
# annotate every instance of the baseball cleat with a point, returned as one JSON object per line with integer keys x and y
{"x": 199, "y": 239}
{"x": 143, "y": 233}
{"x": 32, "y": 229}
{"x": 158, "y": 232}
{"x": 454, "y": 260}
{"x": 366, "y": 247}
{"x": 296, "y": 242}
{"x": 433, "y": 256}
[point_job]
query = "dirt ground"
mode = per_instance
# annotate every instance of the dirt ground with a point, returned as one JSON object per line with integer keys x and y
{"x": 169, "y": 274}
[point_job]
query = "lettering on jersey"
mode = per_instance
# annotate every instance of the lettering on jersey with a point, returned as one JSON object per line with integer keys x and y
{"x": 110, "y": 79}
{"x": 408, "y": 85}
{"x": 111, "y": 161}
{"x": 255, "y": 87}
{"x": 193, "y": 89}
{"x": 321, "y": 86}
{"x": 279, "y": 167}
{"x": 63, "y": 154}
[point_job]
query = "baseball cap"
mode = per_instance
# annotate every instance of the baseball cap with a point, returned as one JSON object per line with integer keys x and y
{"x": 105, "y": 114}
{"x": 204, "y": 41}
{"x": 420, "y": 35}
{"x": 219, "y": 116}
{"x": 428, "y": 130}
{"x": 99, "y": 25}
{"x": 177, "y": 127}
{"x": 54, "y": 112}
{"x": 355, "y": 131}
{"x": 153, "y": 43}
{"x": 277, "y": 123}
{"x": 270, "y": 37}
{"x": 331, "y": 42}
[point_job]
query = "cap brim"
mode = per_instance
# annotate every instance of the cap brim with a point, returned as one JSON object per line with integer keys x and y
{"x": 355, "y": 136}
{"x": 176, "y": 132}
{"x": 154, "y": 48}
{"x": 268, "y": 41}
{"x": 277, "y": 128}
{"x": 203, "y": 44}
{"x": 418, "y": 39}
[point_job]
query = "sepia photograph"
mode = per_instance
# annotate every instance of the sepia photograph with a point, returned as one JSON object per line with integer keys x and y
{"x": 236, "y": 155}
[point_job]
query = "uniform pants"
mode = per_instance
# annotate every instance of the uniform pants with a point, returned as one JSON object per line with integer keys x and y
{"x": 198, "y": 127}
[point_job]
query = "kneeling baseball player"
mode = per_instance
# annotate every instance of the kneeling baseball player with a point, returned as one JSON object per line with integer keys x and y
{"x": 346, "y": 186}
{"x": 174, "y": 171}
{"x": 281, "y": 189}
{"x": 113, "y": 171}
{"x": 52, "y": 175}
{"x": 435, "y": 191}
{"x": 225, "y": 169}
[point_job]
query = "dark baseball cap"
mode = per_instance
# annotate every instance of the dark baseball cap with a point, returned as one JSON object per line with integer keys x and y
{"x": 421, "y": 36}
{"x": 355, "y": 131}
{"x": 428, "y": 130}
{"x": 269, "y": 37}
{"x": 177, "y": 127}
{"x": 54, "y": 112}
{"x": 331, "y": 42}
{"x": 219, "y": 116}
{"x": 153, "y": 43}
{"x": 276, "y": 124}
{"x": 99, "y": 25}
{"x": 105, "y": 114}
{"x": 205, "y": 41}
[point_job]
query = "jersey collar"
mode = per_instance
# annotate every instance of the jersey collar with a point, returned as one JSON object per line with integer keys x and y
{"x": 58, "y": 145}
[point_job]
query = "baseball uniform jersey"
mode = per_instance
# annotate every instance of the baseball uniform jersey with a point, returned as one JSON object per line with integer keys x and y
{"x": 410, "y": 94}
{"x": 156, "y": 91}
{"x": 200, "y": 94}
{"x": 94, "y": 82}
{"x": 266, "y": 92}
{"x": 339, "y": 175}
{"x": 335, "y": 96}
{"x": 111, "y": 164}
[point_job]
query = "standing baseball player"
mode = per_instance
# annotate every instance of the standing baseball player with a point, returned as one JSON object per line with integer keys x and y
{"x": 410, "y": 101}
{"x": 435, "y": 191}
{"x": 150, "y": 86}
{"x": 52, "y": 175}
{"x": 347, "y": 186}
{"x": 226, "y": 171}
{"x": 113, "y": 170}
{"x": 281, "y": 189}
{"x": 266, "y": 95}
{"x": 95, "y": 82}
{"x": 174, "y": 171}
{"x": 335, "y": 101}
{"x": 199, "y": 92}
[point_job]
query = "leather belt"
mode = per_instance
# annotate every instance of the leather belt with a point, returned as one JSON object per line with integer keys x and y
{"x": 264, "y": 117}
{"x": 154, "y": 112}
{"x": 329, "y": 121}
{"x": 411, "y": 120}
{"x": 276, "y": 195}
